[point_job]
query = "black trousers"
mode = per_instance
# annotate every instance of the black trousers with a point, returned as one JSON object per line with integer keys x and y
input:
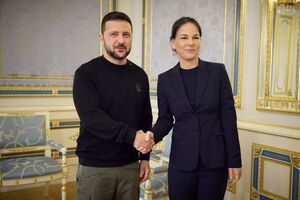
{"x": 199, "y": 184}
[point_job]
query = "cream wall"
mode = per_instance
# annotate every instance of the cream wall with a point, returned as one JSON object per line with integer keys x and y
{"x": 280, "y": 130}
{"x": 134, "y": 9}
{"x": 250, "y": 74}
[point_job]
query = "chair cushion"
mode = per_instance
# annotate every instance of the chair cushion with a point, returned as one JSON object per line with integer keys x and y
{"x": 160, "y": 169}
{"x": 159, "y": 186}
{"x": 18, "y": 168}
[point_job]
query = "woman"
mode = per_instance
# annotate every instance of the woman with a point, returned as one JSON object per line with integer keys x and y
{"x": 197, "y": 94}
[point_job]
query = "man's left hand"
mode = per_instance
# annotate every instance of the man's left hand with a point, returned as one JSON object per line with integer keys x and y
{"x": 144, "y": 170}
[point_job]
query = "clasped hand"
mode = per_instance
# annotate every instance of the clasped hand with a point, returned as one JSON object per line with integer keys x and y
{"x": 144, "y": 142}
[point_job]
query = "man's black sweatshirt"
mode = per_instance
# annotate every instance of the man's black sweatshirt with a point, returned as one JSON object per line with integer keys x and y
{"x": 112, "y": 102}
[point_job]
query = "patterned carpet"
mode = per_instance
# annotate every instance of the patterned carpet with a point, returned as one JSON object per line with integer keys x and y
{"x": 38, "y": 193}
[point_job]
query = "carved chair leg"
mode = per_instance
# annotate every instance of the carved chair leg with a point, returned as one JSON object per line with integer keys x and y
{"x": 46, "y": 189}
{"x": 65, "y": 175}
{"x": 63, "y": 189}
{"x": 148, "y": 190}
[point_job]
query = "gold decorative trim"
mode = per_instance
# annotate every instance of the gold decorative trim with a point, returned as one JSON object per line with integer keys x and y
{"x": 269, "y": 34}
{"x": 101, "y": 16}
{"x": 55, "y": 124}
{"x": 110, "y": 5}
{"x": 148, "y": 10}
{"x": 151, "y": 39}
{"x": 261, "y": 181}
{"x": 260, "y": 155}
{"x": 36, "y": 108}
{"x": 145, "y": 24}
{"x": 74, "y": 137}
{"x": 55, "y": 154}
{"x": 292, "y": 132}
{"x": 254, "y": 195}
{"x": 40, "y": 91}
{"x": 233, "y": 41}
{"x": 224, "y": 27}
{"x": 238, "y": 97}
{"x": 287, "y": 1}
{"x": 65, "y": 123}
{"x": 261, "y": 102}
{"x": 285, "y": 101}
{"x": 295, "y": 160}
{"x": 37, "y": 77}
{"x": 256, "y": 151}
{"x": 271, "y": 124}
{"x": 1, "y": 55}
{"x": 20, "y": 113}
{"x": 231, "y": 187}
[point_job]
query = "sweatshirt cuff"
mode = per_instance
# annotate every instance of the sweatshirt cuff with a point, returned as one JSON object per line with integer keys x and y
{"x": 130, "y": 136}
{"x": 145, "y": 156}
{"x": 156, "y": 138}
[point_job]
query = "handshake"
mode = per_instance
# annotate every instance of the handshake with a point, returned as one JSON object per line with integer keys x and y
{"x": 144, "y": 142}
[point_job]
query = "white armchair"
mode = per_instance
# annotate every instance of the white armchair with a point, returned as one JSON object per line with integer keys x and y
{"x": 25, "y": 153}
{"x": 156, "y": 187}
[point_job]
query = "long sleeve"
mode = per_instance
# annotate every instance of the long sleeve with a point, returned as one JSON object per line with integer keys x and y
{"x": 228, "y": 119}
{"x": 146, "y": 121}
{"x": 86, "y": 99}
{"x": 165, "y": 119}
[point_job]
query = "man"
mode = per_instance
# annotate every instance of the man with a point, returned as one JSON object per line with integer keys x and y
{"x": 111, "y": 96}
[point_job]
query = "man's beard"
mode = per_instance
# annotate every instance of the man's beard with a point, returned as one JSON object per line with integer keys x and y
{"x": 114, "y": 55}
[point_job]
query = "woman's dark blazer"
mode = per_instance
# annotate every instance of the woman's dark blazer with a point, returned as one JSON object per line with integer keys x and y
{"x": 207, "y": 132}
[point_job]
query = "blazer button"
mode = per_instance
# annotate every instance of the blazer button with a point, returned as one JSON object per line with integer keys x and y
{"x": 196, "y": 132}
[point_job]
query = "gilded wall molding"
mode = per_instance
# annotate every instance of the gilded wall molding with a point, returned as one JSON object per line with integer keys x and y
{"x": 270, "y": 158}
{"x": 279, "y": 59}
{"x": 231, "y": 187}
{"x": 292, "y": 132}
{"x": 35, "y": 91}
{"x": 64, "y": 123}
{"x": 238, "y": 54}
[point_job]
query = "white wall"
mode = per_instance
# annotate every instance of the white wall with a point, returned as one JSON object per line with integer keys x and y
{"x": 134, "y": 9}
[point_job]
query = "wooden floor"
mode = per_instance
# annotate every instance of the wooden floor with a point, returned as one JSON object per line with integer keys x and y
{"x": 38, "y": 193}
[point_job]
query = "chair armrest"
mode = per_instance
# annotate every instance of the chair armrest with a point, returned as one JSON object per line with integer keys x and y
{"x": 156, "y": 151}
{"x": 160, "y": 169}
{"x": 155, "y": 154}
{"x": 57, "y": 146}
{"x": 63, "y": 151}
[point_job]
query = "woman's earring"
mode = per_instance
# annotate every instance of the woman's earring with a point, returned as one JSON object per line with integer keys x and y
{"x": 174, "y": 52}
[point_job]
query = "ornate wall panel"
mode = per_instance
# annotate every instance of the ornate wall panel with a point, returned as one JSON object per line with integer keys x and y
{"x": 44, "y": 42}
{"x": 278, "y": 87}
{"x": 222, "y": 39}
{"x": 267, "y": 161}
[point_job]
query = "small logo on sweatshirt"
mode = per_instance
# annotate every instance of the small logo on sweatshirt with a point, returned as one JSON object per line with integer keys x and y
{"x": 138, "y": 87}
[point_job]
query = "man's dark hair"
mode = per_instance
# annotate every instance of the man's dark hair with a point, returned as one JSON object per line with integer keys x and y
{"x": 115, "y": 15}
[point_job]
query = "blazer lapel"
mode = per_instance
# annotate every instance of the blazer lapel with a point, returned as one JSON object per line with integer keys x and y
{"x": 178, "y": 85}
{"x": 202, "y": 78}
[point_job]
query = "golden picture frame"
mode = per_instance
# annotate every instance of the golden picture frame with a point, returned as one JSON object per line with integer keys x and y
{"x": 279, "y": 56}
